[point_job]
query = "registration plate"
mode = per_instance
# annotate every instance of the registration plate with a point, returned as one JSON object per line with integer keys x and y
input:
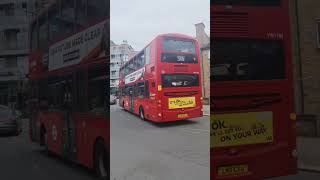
{"x": 232, "y": 170}
{"x": 181, "y": 102}
{"x": 182, "y": 115}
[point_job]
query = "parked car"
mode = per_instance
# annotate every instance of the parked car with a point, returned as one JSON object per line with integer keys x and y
{"x": 113, "y": 99}
{"x": 10, "y": 122}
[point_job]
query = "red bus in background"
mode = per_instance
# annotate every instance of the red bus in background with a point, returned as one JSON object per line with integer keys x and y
{"x": 252, "y": 110}
{"x": 162, "y": 82}
{"x": 68, "y": 79}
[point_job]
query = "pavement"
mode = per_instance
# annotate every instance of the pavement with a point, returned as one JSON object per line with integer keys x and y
{"x": 206, "y": 110}
{"x": 141, "y": 150}
{"x": 308, "y": 159}
{"x": 309, "y": 153}
{"x": 302, "y": 175}
{"x": 21, "y": 159}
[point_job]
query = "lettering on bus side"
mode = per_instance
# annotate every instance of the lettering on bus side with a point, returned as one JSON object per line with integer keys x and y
{"x": 238, "y": 129}
{"x": 275, "y": 36}
{"x": 218, "y": 125}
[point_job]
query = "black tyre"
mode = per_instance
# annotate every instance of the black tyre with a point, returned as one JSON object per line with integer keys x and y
{"x": 101, "y": 162}
{"x": 141, "y": 113}
{"x": 45, "y": 143}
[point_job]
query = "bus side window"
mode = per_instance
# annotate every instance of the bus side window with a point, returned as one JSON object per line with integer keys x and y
{"x": 141, "y": 90}
{"x": 147, "y": 55}
{"x": 136, "y": 90}
{"x": 147, "y": 92}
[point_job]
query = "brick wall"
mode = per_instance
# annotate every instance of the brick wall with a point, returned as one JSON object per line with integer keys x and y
{"x": 304, "y": 33}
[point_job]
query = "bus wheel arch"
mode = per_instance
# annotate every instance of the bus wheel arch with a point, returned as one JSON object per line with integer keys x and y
{"x": 100, "y": 158}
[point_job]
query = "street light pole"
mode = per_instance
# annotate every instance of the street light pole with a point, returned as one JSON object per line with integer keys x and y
{"x": 299, "y": 59}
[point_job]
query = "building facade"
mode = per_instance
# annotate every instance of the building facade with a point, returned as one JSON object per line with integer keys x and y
{"x": 14, "y": 49}
{"x": 305, "y": 16}
{"x": 204, "y": 41}
{"x": 119, "y": 54}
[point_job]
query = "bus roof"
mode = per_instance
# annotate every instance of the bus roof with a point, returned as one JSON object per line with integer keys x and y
{"x": 176, "y": 35}
{"x": 173, "y": 35}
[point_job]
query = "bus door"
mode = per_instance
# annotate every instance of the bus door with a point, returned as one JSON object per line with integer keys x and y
{"x": 131, "y": 99}
{"x": 69, "y": 130}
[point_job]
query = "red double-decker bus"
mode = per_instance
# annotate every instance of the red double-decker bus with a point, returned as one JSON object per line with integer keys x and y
{"x": 162, "y": 82}
{"x": 252, "y": 105}
{"x": 68, "y": 79}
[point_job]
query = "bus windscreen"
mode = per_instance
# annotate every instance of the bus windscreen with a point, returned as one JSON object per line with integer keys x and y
{"x": 180, "y": 80}
{"x": 179, "y": 51}
{"x": 248, "y": 60}
{"x": 174, "y": 45}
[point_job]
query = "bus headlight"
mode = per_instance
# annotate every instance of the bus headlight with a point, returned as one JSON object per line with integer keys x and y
{"x": 159, "y": 114}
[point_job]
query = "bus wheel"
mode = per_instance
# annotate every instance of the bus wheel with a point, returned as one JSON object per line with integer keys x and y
{"x": 46, "y": 148}
{"x": 101, "y": 160}
{"x": 141, "y": 113}
{"x": 44, "y": 140}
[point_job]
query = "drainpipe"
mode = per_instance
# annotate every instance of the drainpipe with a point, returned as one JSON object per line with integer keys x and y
{"x": 300, "y": 78}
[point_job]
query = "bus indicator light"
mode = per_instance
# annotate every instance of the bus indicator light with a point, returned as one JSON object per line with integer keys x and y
{"x": 293, "y": 116}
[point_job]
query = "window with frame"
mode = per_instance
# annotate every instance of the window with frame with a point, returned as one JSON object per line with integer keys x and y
{"x": 147, "y": 55}
{"x": 60, "y": 92}
{"x": 97, "y": 91}
{"x": 59, "y": 26}
{"x": 9, "y": 9}
{"x": 248, "y": 60}
{"x": 130, "y": 67}
{"x": 68, "y": 14}
{"x": 140, "y": 60}
{"x": 140, "y": 90}
{"x": 147, "y": 91}
{"x": 81, "y": 13}
{"x": 43, "y": 31}
{"x": 34, "y": 36}
{"x": 97, "y": 9}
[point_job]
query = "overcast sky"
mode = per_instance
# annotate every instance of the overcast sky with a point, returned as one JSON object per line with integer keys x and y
{"x": 139, "y": 21}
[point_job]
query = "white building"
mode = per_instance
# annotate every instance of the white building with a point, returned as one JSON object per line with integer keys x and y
{"x": 14, "y": 49}
{"x": 119, "y": 54}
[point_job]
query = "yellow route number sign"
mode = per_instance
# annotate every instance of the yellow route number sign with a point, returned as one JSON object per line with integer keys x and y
{"x": 181, "y": 102}
{"x": 241, "y": 129}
